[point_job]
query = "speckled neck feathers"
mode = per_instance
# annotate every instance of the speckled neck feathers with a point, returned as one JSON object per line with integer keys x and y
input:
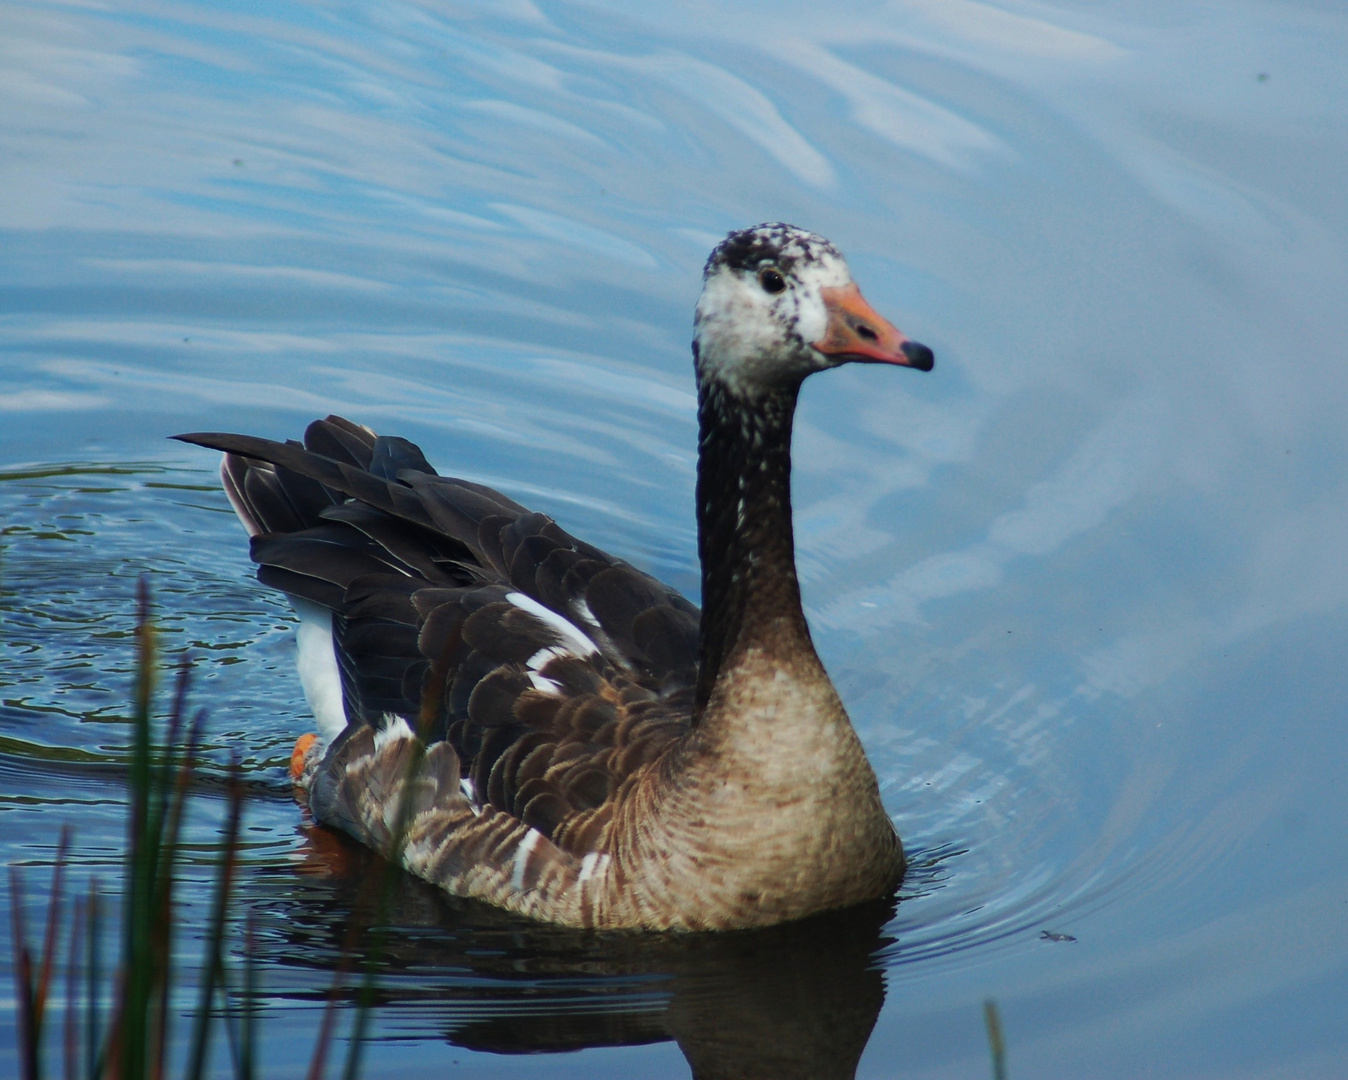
{"x": 750, "y": 594}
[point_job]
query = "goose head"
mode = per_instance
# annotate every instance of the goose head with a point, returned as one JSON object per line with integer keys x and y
{"x": 779, "y": 303}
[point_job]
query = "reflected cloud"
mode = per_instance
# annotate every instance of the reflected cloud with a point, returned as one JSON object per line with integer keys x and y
{"x": 176, "y": 268}
{"x": 1207, "y": 197}
{"x": 896, "y": 115}
{"x": 1104, "y": 473}
{"x": 546, "y": 122}
{"x": 1139, "y": 661}
{"x": 993, "y": 29}
{"x": 159, "y": 383}
{"x": 42, "y": 67}
{"x": 23, "y": 400}
{"x": 743, "y": 107}
{"x": 900, "y": 599}
{"x": 556, "y": 227}
{"x": 729, "y": 98}
{"x": 1297, "y": 565}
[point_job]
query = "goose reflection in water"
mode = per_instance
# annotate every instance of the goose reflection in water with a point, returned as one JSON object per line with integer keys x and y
{"x": 796, "y": 1000}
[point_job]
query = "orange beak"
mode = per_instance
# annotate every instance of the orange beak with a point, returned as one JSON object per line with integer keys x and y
{"x": 857, "y": 332}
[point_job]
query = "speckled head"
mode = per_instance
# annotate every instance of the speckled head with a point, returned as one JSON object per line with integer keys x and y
{"x": 779, "y": 303}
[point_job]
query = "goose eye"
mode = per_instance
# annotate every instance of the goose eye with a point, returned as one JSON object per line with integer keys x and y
{"x": 771, "y": 280}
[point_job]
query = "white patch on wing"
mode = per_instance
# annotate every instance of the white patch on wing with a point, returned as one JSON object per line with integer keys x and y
{"x": 572, "y": 638}
{"x": 581, "y": 608}
{"x": 317, "y": 665}
{"x": 540, "y": 659}
{"x": 526, "y": 846}
{"x": 544, "y": 685}
{"x": 395, "y": 729}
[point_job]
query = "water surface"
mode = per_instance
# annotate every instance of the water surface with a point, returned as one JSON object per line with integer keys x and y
{"x": 1082, "y": 588}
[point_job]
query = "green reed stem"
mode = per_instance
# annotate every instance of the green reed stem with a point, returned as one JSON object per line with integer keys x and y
{"x": 53, "y": 922}
{"x": 173, "y": 819}
{"x": 134, "y": 1044}
{"x": 995, "y": 1041}
{"x": 93, "y": 978}
{"x": 142, "y": 858}
{"x": 30, "y": 1030}
{"x": 247, "y": 1018}
{"x": 214, "y": 963}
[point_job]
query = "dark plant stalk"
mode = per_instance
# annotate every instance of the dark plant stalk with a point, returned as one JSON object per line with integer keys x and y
{"x": 166, "y": 816}
{"x": 53, "y": 922}
{"x": 33, "y": 982}
{"x": 71, "y": 1042}
{"x": 364, "y": 1006}
{"x": 246, "y": 1052}
{"x": 165, "y": 885}
{"x": 318, "y": 1062}
{"x": 30, "y": 1031}
{"x": 134, "y": 1044}
{"x": 142, "y": 855}
{"x": 232, "y": 1019}
{"x": 214, "y": 965}
{"x": 995, "y": 1042}
{"x": 92, "y": 977}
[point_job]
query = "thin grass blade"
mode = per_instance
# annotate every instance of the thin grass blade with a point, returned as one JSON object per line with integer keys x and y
{"x": 214, "y": 965}
{"x": 30, "y": 1025}
{"x": 53, "y": 921}
{"x": 71, "y": 1041}
{"x": 138, "y": 893}
{"x": 247, "y": 1051}
{"x": 996, "y": 1044}
{"x": 92, "y": 982}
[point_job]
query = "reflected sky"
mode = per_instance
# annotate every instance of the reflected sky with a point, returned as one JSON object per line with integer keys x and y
{"x": 1083, "y": 587}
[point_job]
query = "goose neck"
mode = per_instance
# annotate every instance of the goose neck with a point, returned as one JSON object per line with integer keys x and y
{"x": 750, "y": 593}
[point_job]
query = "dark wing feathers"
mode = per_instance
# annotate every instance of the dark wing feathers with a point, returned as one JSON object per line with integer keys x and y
{"x": 419, "y": 570}
{"x": 339, "y": 439}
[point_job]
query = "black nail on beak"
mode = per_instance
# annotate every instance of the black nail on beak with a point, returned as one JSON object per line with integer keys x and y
{"x": 919, "y": 356}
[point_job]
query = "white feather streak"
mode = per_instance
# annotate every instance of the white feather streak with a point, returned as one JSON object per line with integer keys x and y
{"x": 317, "y": 665}
{"x": 527, "y": 845}
{"x": 544, "y": 685}
{"x": 575, "y": 641}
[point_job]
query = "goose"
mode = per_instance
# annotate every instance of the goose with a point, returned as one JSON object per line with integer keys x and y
{"x": 510, "y": 713}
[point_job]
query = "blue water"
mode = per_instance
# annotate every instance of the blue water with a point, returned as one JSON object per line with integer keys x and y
{"x": 1084, "y": 588}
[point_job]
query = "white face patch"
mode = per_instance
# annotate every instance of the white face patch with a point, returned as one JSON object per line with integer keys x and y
{"x": 747, "y": 336}
{"x": 812, "y": 315}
